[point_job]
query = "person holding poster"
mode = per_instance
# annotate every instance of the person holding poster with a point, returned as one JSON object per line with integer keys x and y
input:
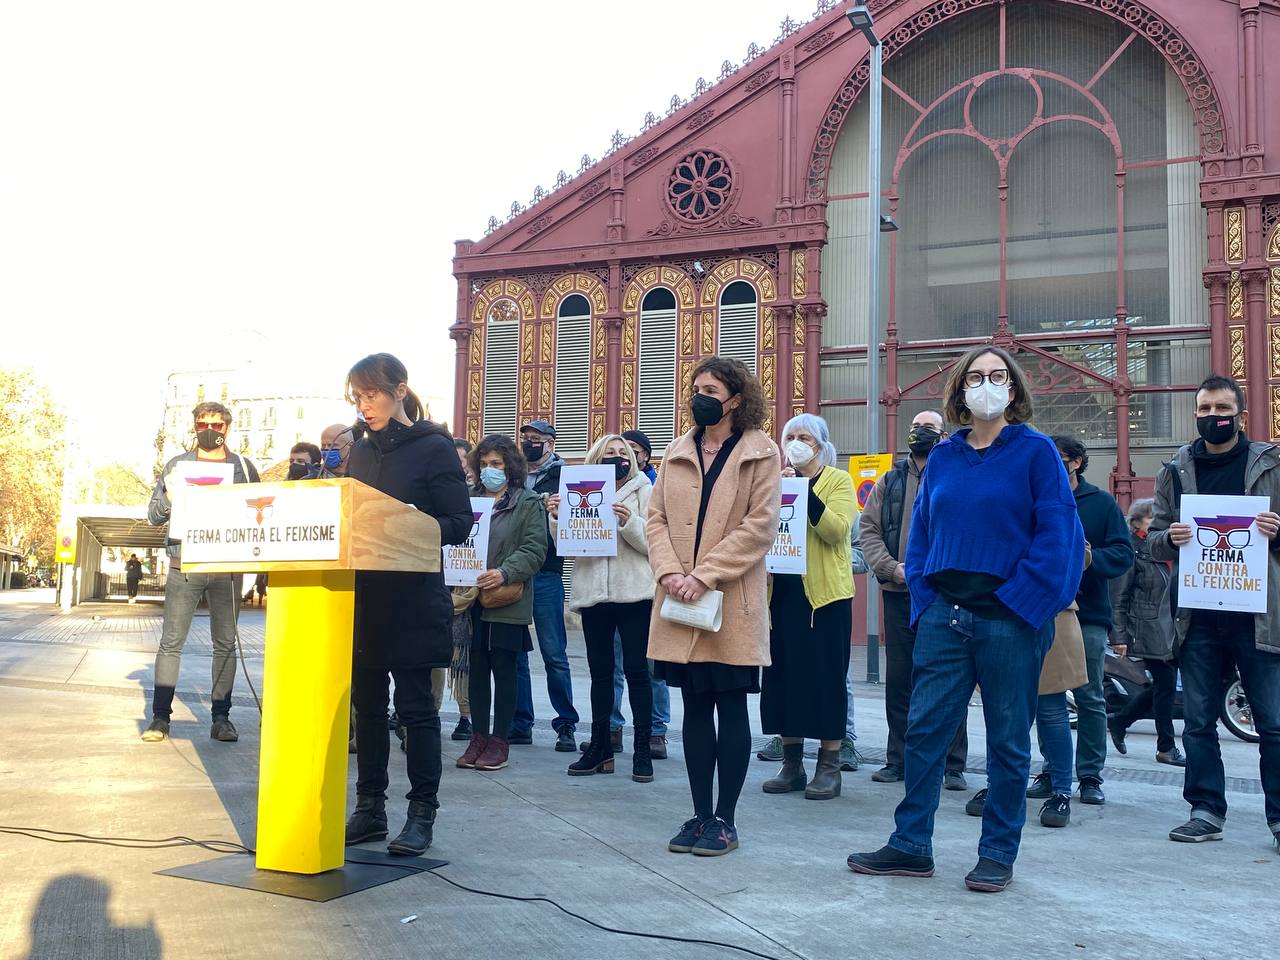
{"x": 208, "y": 461}
{"x": 995, "y": 552}
{"x": 712, "y": 518}
{"x": 518, "y": 541}
{"x": 802, "y": 691}
{"x": 1222, "y": 462}
{"x": 401, "y": 618}
{"x": 614, "y": 595}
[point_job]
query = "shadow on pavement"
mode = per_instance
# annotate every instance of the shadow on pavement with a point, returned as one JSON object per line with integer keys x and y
{"x": 71, "y": 921}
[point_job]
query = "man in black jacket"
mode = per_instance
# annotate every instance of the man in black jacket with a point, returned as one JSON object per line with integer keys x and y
{"x": 538, "y": 444}
{"x": 1108, "y": 536}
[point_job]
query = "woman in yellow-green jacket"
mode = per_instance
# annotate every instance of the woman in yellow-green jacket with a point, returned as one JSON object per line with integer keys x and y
{"x": 802, "y": 693}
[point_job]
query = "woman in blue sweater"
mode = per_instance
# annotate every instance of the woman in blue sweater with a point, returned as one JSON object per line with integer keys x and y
{"x": 995, "y": 551}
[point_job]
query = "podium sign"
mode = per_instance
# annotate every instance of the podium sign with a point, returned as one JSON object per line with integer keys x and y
{"x": 310, "y": 536}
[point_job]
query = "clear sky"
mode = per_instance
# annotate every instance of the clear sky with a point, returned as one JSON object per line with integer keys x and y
{"x": 187, "y": 184}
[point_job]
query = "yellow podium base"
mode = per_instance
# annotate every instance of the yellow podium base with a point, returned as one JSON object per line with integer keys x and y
{"x": 306, "y": 712}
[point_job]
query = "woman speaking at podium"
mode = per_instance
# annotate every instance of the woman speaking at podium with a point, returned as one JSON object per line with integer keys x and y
{"x": 401, "y": 619}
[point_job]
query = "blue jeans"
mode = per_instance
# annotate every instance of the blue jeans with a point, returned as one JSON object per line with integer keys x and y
{"x": 661, "y": 696}
{"x": 182, "y": 594}
{"x": 1091, "y": 707}
{"x": 1053, "y": 727}
{"x": 954, "y": 652}
{"x": 1206, "y": 655}
{"x": 849, "y": 731}
{"x": 548, "y": 623}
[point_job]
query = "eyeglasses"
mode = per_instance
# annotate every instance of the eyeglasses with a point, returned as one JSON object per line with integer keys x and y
{"x": 367, "y": 396}
{"x": 215, "y": 425}
{"x": 998, "y": 378}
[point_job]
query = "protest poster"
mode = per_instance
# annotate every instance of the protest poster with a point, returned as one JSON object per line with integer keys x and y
{"x": 464, "y": 562}
{"x": 1224, "y": 567}
{"x": 788, "y": 553}
{"x": 587, "y": 526}
{"x": 188, "y": 475}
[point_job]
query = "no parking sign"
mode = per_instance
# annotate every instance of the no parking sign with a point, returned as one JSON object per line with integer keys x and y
{"x": 866, "y": 472}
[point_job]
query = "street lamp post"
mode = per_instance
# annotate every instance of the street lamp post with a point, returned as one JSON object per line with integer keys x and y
{"x": 860, "y": 18}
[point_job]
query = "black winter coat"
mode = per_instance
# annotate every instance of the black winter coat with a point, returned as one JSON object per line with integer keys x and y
{"x": 402, "y": 619}
{"x": 1108, "y": 534}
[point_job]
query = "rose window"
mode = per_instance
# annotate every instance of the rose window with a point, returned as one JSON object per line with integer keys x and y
{"x": 699, "y": 187}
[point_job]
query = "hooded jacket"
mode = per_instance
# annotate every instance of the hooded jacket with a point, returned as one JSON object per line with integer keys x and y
{"x": 1108, "y": 535}
{"x": 545, "y": 481}
{"x": 402, "y": 619}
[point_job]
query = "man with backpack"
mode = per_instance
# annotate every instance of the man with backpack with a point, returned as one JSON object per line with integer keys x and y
{"x": 1223, "y": 462}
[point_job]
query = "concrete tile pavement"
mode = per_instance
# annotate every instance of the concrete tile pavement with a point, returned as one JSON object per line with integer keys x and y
{"x": 1110, "y": 885}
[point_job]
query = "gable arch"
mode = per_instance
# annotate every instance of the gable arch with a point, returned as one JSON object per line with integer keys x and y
{"x": 686, "y": 310}
{"x": 1172, "y": 46}
{"x": 490, "y": 294}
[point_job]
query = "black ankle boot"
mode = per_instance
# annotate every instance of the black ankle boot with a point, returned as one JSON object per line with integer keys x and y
{"x": 791, "y": 776}
{"x": 368, "y": 821}
{"x": 825, "y": 784}
{"x": 642, "y": 757}
{"x": 599, "y": 757}
{"x": 416, "y": 835}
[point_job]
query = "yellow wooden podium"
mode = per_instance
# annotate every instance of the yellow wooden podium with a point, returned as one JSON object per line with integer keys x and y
{"x": 310, "y": 537}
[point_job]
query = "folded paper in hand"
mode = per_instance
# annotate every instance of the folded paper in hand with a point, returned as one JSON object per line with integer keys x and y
{"x": 705, "y": 613}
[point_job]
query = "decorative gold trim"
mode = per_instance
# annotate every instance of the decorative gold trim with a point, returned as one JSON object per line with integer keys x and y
{"x": 1275, "y": 349}
{"x": 526, "y": 342}
{"x": 799, "y": 281}
{"x": 582, "y": 283}
{"x": 598, "y": 375}
{"x": 1236, "y": 335}
{"x": 1273, "y": 297}
{"x": 686, "y": 334}
{"x": 1275, "y": 413}
{"x": 1233, "y": 237}
{"x": 708, "y": 334}
{"x": 1235, "y": 296}
{"x": 526, "y": 392}
{"x": 629, "y": 336}
{"x": 628, "y": 420}
{"x": 1273, "y": 243}
{"x": 743, "y": 268}
{"x": 798, "y": 331}
{"x": 597, "y": 427}
{"x": 797, "y": 373}
{"x": 601, "y": 344}
{"x": 767, "y": 377}
{"x": 629, "y": 382}
{"x": 477, "y": 346}
{"x": 546, "y": 390}
{"x": 768, "y": 338}
{"x": 548, "y": 343}
{"x": 475, "y": 393}
{"x": 473, "y": 429}
{"x": 683, "y": 416}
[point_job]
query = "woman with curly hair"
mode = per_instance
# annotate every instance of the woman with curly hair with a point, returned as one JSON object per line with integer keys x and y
{"x": 712, "y": 517}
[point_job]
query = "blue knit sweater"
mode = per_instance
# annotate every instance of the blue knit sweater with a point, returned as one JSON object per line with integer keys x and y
{"x": 1009, "y": 513}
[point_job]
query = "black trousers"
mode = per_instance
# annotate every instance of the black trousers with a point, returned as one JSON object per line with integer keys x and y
{"x": 709, "y": 750}
{"x": 416, "y": 708}
{"x": 631, "y": 622}
{"x": 1155, "y": 701}
{"x": 899, "y": 648}
{"x": 501, "y": 664}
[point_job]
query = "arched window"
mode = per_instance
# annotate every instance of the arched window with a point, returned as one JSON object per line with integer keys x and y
{"x": 501, "y": 368}
{"x": 573, "y": 376}
{"x": 658, "y": 388}
{"x": 738, "y": 324}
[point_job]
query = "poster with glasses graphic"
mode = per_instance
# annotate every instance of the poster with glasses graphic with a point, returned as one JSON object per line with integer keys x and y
{"x": 787, "y": 555}
{"x": 464, "y": 562}
{"x": 1224, "y": 567}
{"x": 190, "y": 475}
{"x": 587, "y": 526}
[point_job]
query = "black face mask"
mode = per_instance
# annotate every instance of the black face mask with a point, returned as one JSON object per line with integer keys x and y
{"x": 922, "y": 439}
{"x": 707, "y": 411}
{"x": 620, "y": 467}
{"x": 298, "y": 471}
{"x": 210, "y": 439}
{"x": 532, "y": 451}
{"x": 1217, "y": 429}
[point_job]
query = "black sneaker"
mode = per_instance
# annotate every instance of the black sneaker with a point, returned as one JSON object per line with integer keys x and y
{"x": 1091, "y": 791}
{"x": 519, "y": 737}
{"x": 689, "y": 834}
{"x": 717, "y": 839}
{"x": 976, "y": 803}
{"x": 887, "y": 774}
{"x": 1056, "y": 811}
{"x": 989, "y": 876}
{"x": 954, "y": 780}
{"x": 1172, "y": 757}
{"x": 463, "y": 730}
{"x": 565, "y": 742}
{"x": 1195, "y": 830}
{"x": 158, "y": 731}
{"x": 1041, "y": 788}
{"x": 890, "y": 862}
{"x": 223, "y": 729}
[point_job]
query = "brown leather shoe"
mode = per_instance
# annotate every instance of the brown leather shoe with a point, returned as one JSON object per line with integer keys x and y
{"x": 495, "y": 755}
{"x": 474, "y": 749}
{"x": 658, "y": 748}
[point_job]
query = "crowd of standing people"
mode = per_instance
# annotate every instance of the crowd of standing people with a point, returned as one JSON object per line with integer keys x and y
{"x": 1002, "y": 568}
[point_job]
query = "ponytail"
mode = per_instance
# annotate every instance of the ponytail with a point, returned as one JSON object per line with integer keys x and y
{"x": 413, "y": 408}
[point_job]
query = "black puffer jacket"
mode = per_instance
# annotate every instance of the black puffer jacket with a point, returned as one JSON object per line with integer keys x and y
{"x": 402, "y": 619}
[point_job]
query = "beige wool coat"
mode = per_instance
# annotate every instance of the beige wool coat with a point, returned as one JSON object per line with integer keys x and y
{"x": 740, "y": 526}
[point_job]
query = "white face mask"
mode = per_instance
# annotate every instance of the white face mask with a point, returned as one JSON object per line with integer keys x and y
{"x": 988, "y": 401}
{"x": 800, "y": 453}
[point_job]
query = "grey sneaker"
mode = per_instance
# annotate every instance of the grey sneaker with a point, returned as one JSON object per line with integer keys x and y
{"x": 849, "y": 756}
{"x": 158, "y": 731}
{"x": 772, "y": 751}
{"x": 223, "y": 729}
{"x": 1195, "y": 830}
{"x": 954, "y": 780}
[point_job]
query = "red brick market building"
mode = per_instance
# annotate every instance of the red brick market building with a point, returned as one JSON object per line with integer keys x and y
{"x": 1093, "y": 183}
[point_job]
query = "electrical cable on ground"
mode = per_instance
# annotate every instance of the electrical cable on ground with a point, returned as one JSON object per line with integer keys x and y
{"x": 227, "y": 846}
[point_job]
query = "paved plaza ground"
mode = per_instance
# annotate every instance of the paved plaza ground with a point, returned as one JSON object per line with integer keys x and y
{"x": 73, "y": 692}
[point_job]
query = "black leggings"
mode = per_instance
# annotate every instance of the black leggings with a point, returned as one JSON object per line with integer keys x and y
{"x": 631, "y": 622}
{"x": 502, "y": 665}
{"x": 705, "y": 750}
